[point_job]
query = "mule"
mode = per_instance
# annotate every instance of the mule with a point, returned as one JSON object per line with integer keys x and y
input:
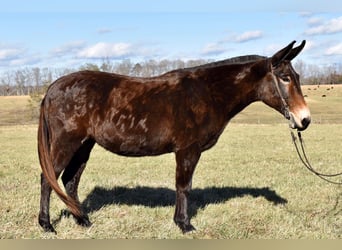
{"x": 183, "y": 111}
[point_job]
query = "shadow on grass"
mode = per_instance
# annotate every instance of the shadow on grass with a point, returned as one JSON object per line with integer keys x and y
{"x": 163, "y": 197}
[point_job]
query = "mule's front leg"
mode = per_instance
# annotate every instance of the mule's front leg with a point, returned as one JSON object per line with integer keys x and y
{"x": 186, "y": 162}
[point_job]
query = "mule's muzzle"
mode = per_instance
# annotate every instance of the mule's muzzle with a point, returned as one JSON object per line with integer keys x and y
{"x": 300, "y": 123}
{"x": 305, "y": 123}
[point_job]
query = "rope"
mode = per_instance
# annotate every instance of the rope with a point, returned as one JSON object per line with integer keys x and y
{"x": 302, "y": 156}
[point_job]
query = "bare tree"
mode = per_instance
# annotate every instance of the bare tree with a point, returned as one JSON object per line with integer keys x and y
{"x": 20, "y": 79}
{"x": 6, "y": 83}
{"x": 301, "y": 69}
{"x": 124, "y": 68}
{"x": 107, "y": 66}
{"x": 137, "y": 70}
{"x": 90, "y": 66}
{"x": 36, "y": 77}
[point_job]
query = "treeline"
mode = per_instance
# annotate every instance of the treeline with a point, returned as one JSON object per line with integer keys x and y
{"x": 33, "y": 81}
{"x": 30, "y": 81}
{"x": 312, "y": 74}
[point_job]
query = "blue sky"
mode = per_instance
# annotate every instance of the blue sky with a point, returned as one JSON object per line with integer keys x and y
{"x": 70, "y": 33}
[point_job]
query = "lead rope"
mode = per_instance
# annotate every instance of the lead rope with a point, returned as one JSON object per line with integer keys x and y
{"x": 302, "y": 155}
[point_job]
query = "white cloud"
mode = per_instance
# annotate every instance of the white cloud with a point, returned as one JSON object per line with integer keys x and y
{"x": 212, "y": 49}
{"x": 248, "y": 36}
{"x": 315, "y": 21}
{"x": 331, "y": 26}
{"x": 8, "y": 53}
{"x": 68, "y": 48}
{"x": 18, "y": 58}
{"x": 14, "y": 55}
{"x": 334, "y": 50}
{"x": 217, "y": 48}
{"x": 110, "y": 50}
{"x": 25, "y": 60}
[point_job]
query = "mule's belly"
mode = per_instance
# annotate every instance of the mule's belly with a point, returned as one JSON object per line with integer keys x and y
{"x": 137, "y": 137}
{"x": 135, "y": 145}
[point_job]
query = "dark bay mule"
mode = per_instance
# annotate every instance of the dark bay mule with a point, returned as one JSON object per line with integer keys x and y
{"x": 183, "y": 111}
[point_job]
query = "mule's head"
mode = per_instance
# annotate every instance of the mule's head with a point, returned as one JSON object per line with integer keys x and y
{"x": 281, "y": 88}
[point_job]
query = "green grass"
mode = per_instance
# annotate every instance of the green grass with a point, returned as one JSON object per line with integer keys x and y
{"x": 251, "y": 185}
{"x": 238, "y": 189}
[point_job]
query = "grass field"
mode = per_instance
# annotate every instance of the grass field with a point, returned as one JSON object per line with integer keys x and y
{"x": 251, "y": 185}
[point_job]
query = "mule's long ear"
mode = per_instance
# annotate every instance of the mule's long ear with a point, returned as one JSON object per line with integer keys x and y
{"x": 278, "y": 57}
{"x": 295, "y": 51}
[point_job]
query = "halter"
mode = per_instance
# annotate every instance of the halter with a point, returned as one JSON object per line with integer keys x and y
{"x": 301, "y": 150}
{"x": 285, "y": 105}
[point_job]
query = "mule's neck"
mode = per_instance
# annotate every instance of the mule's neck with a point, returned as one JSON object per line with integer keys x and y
{"x": 234, "y": 87}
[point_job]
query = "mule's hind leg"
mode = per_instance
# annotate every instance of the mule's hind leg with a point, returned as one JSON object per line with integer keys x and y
{"x": 72, "y": 175}
{"x": 44, "y": 215}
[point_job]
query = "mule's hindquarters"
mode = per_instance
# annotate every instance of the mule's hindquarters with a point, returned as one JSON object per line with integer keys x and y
{"x": 60, "y": 152}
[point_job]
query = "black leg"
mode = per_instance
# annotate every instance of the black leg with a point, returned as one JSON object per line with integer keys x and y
{"x": 186, "y": 162}
{"x": 44, "y": 216}
{"x": 72, "y": 175}
{"x": 44, "y": 212}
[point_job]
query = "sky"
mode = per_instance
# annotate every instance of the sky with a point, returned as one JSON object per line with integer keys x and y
{"x": 40, "y": 33}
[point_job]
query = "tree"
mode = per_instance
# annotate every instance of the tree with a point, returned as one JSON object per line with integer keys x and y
{"x": 6, "y": 83}
{"x": 107, "y": 66}
{"x": 36, "y": 78}
{"x": 301, "y": 69}
{"x": 20, "y": 79}
{"x": 90, "y": 66}
{"x": 124, "y": 68}
{"x": 137, "y": 70}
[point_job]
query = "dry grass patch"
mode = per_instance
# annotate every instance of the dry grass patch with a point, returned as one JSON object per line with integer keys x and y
{"x": 250, "y": 186}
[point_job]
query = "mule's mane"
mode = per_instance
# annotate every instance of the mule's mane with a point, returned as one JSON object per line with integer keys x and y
{"x": 233, "y": 60}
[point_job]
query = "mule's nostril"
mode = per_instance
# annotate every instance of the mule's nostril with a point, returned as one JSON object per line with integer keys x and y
{"x": 305, "y": 122}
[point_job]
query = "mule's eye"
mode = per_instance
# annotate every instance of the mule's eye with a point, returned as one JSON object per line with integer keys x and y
{"x": 285, "y": 78}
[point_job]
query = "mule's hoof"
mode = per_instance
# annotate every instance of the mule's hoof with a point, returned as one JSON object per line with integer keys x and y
{"x": 83, "y": 221}
{"x": 186, "y": 228}
{"x": 48, "y": 228}
{"x": 45, "y": 224}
